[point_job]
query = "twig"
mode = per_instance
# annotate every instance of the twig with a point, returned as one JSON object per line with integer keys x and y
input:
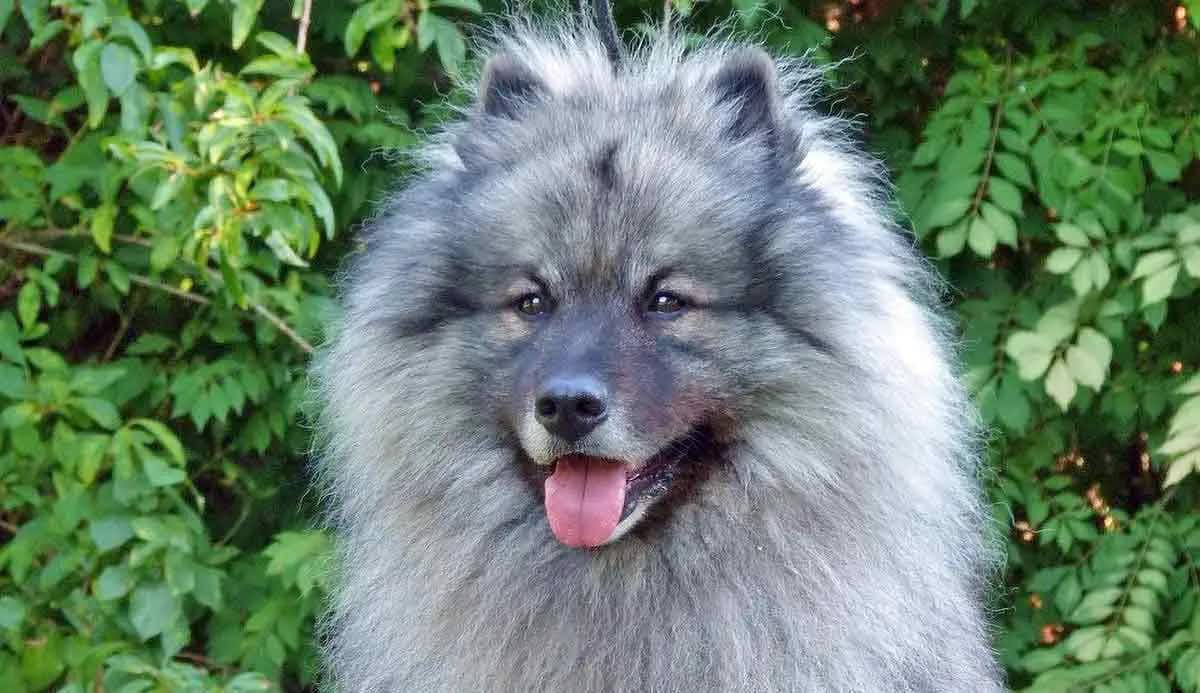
{"x": 139, "y": 279}
{"x": 122, "y": 329}
{"x": 201, "y": 660}
{"x": 167, "y": 288}
{"x": 142, "y": 280}
{"x": 991, "y": 152}
{"x": 283, "y": 327}
{"x": 302, "y": 32}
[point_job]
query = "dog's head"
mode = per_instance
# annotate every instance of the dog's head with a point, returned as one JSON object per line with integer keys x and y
{"x": 610, "y": 274}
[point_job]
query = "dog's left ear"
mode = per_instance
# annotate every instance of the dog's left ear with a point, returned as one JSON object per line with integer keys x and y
{"x": 748, "y": 82}
{"x": 508, "y": 87}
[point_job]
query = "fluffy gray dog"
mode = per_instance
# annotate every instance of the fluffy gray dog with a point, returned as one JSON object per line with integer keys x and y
{"x": 639, "y": 388}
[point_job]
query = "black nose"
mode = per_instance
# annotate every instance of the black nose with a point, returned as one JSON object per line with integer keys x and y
{"x": 570, "y": 407}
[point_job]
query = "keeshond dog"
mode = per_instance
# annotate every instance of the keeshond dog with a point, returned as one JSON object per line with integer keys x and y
{"x": 639, "y": 387}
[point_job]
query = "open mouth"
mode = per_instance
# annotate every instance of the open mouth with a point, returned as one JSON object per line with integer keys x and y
{"x": 588, "y": 497}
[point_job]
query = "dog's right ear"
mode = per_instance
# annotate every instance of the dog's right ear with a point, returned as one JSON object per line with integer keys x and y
{"x": 508, "y": 87}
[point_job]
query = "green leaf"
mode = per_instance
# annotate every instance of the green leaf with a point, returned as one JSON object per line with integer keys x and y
{"x": 118, "y": 275}
{"x": 299, "y": 116}
{"x": 1128, "y": 147}
{"x": 125, "y": 26}
{"x": 1059, "y": 384}
{"x": 451, "y": 47}
{"x": 6, "y": 8}
{"x": 1099, "y": 270}
{"x": 315, "y": 195}
{"x": 367, "y": 17}
{"x": 273, "y": 189}
{"x": 1062, "y": 260}
{"x": 99, "y": 410}
{"x": 114, "y": 582}
{"x": 29, "y": 303}
{"x": 172, "y": 55}
{"x": 1191, "y": 260}
{"x": 87, "y": 64}
{"x": 102, "y": 226}
{"x": 245, "y": 12}
{"x": 12, "y": 610}
{"x": 1088, "y": 360}
{"x": 42, "y": 661}
{"x": 1095, "y": 606}
{"x": 207, "y": 588}
{"x": 276, "y": 44}
{"x": 10, "y": 339}
{"x": 165, "y": 438}
{"x": 152, "y": 609}
{"x": 1181, "y": 468}
{"x": 981, "y": 238}
{"x": 946, "y": 213}
{"x": 86, "y": 274}
{"x": 13, "y": 384}
{"x": 1068, "y": 594}
{"x": 1071, "y": 169}
{"x": 92, "y": 380}
{"x": 110, "y": 532}
{"x": 1002, "y": 224}
{"x": 167, "y": 190}
{"x": 1072, "y": 235}
{"x": 150, "y": 343}
{"x": 159, "y": 473}
{"x": 1158, "y": 286}
{"x": 1012, "y": 406}
{"x": 1086, "y": 644}
{"x": 950, "y": 241}
{"x": 1164, "y": 165}
{"x": 928, "y": 152}
{"x": 1081, "y": 278}
{"x": 1152, "y": 263}
{"x": 119, "y": 67}
{"x": 1031, "y": 351}
{"x": 164, "y": 252}
{"x": 279, "y": 246}
{"x": 1014, "y": 169}
{"x": 1006, "y": 195}
{"x": 471, "y": 6}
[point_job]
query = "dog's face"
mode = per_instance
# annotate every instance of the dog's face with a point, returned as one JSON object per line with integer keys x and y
{"x": 610, "y": 291}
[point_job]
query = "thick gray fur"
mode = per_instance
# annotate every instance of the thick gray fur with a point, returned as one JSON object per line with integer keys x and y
{"x": 841, "y": 545}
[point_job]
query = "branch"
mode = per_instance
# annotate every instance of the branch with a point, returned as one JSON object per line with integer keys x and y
{"x": 302, "y": 33}
{"x": 142, "y": 280}
{"x": 991, "y": 152}
{"x": 139, "y": 279}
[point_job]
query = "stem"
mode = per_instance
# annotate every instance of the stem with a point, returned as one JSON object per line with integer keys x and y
{"x": 139, "y": 279}
{"x": 142, "y": 280}
{"x": 282, "y": 327}
{"x": 991, "y": 152}
{"x": 201, "y": 660}
{"x": 117, "y": 338}
{"x": 302, "y": 32}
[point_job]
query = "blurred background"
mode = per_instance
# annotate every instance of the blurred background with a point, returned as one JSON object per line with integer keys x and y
{"x": 181, "y": 179}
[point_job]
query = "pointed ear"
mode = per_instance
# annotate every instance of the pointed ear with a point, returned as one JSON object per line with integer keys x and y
{"x": 749, "y": 83}
{"x": 507, "y": 87}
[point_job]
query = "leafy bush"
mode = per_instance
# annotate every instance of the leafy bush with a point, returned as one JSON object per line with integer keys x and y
{"x": 178, "y": 180}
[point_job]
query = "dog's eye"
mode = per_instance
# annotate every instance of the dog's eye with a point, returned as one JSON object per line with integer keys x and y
{"x": 665, "y": 302}
{"x": 533, "y": 305}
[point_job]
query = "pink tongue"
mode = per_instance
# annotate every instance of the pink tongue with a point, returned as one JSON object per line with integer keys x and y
{"x": 584, "y": 499}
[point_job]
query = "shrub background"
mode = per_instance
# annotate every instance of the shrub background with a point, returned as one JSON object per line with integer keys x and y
{"x": 179, "y": 179}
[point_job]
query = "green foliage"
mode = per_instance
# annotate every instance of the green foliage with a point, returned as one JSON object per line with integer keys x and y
{"x": 176, "y": 180}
